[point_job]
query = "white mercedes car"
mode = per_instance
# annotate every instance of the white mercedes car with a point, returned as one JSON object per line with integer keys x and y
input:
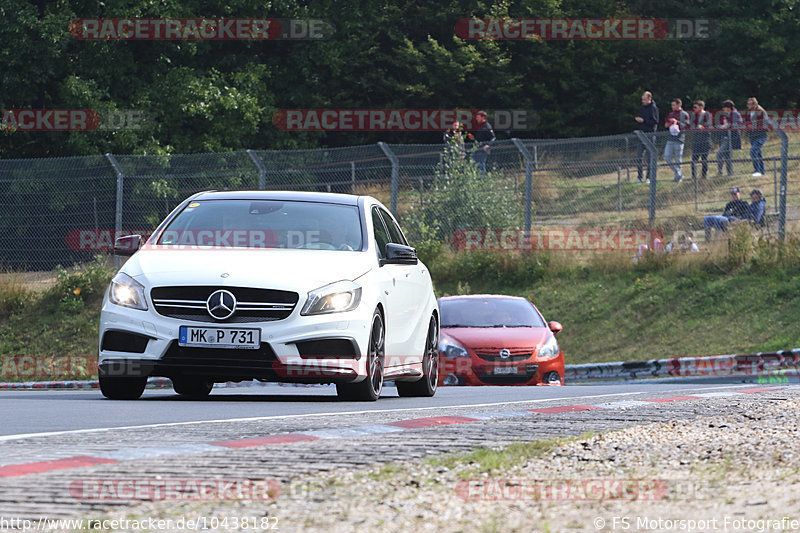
{"x": 274, "y": 286}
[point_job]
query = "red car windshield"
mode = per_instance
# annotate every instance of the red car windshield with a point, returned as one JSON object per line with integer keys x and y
{"x": 489, "y": 313}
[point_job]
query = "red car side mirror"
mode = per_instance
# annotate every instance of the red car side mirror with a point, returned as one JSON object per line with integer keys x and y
{"x": 555, "y": 327}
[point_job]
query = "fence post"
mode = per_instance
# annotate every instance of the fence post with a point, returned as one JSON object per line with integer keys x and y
{"x": 530, "y": 164}
{"x": 784, "y": 168}
{"x": 353, "y": 173}
{"x": 395, "y": 174}
{"x": 652, "y": 173}
{"x": 619, "y": 188}
{"x": 118, "y": 206}
{"x": 262, "y": 170}
{"x": 775, "y": 184}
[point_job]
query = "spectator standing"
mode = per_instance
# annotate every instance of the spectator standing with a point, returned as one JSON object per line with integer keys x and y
{"x": 648, "y": 120}
{"x": 484, "y": 137}
{"x": 701, "y": 137}
{"x": 454, "y": 139}
{"x": 729, "y": 139}
{"x": 736, "y": 209}
{"x": 677, "y": 121}
{"x": 757, "y": 133}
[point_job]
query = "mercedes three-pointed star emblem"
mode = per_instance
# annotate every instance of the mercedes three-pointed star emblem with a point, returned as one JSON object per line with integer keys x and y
{"x": 221, "y": 304}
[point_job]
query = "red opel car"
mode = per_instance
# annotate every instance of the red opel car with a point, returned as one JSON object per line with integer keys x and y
{"x": 497, "y": 340}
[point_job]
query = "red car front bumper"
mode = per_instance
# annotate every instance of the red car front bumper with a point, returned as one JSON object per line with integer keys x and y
{"x": 476, "y": 371}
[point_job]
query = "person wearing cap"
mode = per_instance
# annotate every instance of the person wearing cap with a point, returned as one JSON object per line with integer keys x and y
{"x": 677, "y": 120}
{"x": 736, "y": 209}
{"x": 730, "y": 123}
{"x": 484, "y": 137}
{"x": 757, "y": 133}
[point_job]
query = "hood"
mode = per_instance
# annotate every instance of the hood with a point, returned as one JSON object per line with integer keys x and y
{"x": 473, "y": 338}
{"x": 273, "y": 268}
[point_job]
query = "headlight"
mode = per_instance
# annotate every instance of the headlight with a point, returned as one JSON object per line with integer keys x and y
{"x": 451, "y": 348}
{"x": 550, "y": 348}
{"x": 334, "y": 298}
{"x": 127, "y": 292}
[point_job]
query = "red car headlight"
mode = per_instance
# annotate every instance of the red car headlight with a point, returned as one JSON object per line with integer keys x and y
{"x": 452, "y": 349}
{"x": 549, "y": 350}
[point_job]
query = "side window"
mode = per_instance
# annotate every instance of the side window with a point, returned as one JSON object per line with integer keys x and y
{"x": 379, "y": 231}
{"x": 394, "y": 230}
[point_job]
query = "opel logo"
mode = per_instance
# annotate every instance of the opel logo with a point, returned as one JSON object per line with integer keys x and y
{"x": 221, "y": 304}
{"x": 505, "y": 354}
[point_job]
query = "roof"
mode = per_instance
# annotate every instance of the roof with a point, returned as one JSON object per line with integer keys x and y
{"x": 481, "y": 297}
{"x": 296, "y": 196}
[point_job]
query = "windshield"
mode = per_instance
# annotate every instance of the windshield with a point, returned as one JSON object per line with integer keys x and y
{"x": 489, "y": 313}
{"x": 265, "y": 224}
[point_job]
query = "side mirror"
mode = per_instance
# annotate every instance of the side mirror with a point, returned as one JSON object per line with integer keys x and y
{"x": 398, "y": 254}
{"x": 127, "y": 245}
{"x": 555, "y": 327}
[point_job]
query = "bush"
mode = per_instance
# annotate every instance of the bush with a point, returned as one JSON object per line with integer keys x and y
{"x": 461, "y": 198}
{"x": 85, "y": 283}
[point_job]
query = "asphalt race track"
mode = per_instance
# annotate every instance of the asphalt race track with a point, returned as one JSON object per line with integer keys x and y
{"x": 42, "y": 411}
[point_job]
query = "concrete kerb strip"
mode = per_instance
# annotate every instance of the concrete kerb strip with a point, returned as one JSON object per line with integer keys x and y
{"x": 134, "y": 453}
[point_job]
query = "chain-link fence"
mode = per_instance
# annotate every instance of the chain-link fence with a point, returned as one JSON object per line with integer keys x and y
{"x": 66, "y": 210}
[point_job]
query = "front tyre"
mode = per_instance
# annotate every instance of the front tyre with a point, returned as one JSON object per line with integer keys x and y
{"x": 122, "y": 388}
{"x": 369, "y": 389}
{"x": 426, "y": 386}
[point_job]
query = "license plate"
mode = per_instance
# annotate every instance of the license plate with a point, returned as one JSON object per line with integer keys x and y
{"x": 503, "y": 370}
{"x": 241, "y": 338}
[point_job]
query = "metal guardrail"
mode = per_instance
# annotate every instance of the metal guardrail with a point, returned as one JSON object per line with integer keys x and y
{"x": 701, "y": 366}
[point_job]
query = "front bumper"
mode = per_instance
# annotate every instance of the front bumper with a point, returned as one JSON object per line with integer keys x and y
{"x": 283, "y": 356}
{"x": 475, "y": 371}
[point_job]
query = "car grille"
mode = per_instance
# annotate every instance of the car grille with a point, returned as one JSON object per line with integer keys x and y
{"x": 252, "y": 305}
{"x": 511, "y": 379}
{"x": 493, "y": 354}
